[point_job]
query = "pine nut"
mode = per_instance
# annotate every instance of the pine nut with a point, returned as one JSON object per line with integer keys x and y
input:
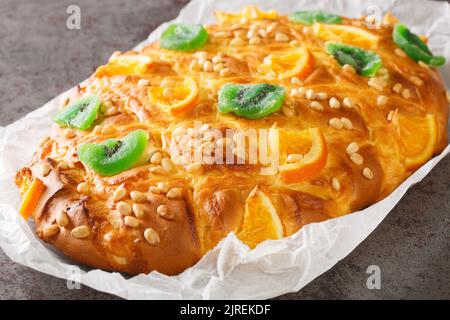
{"x": 352, "y": 148}
{"x": 288, "y": 112}
{"x": 163, "y": 186}
{"x": 151, "y": 236}
{"x": 124, "y": 208}
{"x": 321, "y": 96}
{"x": 301, "y": 92}
{"x": 218, "y": 67}
{"x": 138, "y": 196}
{"x": 81, "y": 232}
{"x": 255, "y": 41}
{"x": 447, "y": 95}
{"x": 225, "y": 72}
{"x": 390, "y": 115}
{"x": 194, "y": 65}
{"x": 310, "y": 94}
{"x": 294, "y": 157}
{"x": 296, "y": 81}
{"x": 334, "y": 103}
{"x": 348, "y": 68}
{"x": 335, "y": 184}
{"x": 43, "y": 141}
{"x": 424, "y": 65}
{"x": 143, "y": 83}
{"x": 201, "y": 54}
{"x": 111, "y": 111}
{"x": 271, "y": 27}
{"x": 98, "y": 129}
{"x": 217, "y": 59}
{"x": 416, "y": 80}
{"x": 376, "y": 83}
{"x": 175, "y": 193}
{"x": 316, "y": 106}
{"x": 336, "y": 123}
{"x": 221, "y": 34}
{"x": 156, "y": 158}
{"x": 61, "y": 219}
{"x": 294, "y": 92}
{"x": 347, "y": 123}
{"x": 167, "y": 164}
{"x": 348, "y": 102}
{"x": 131, "y": 222}
{"x": 194, "y": 167}
{"x": 382, "y": 100}
{"x": 83, "y": 188}
{"x": 119, "y": 194}
{"x": 400, "y": 52}
{"x": 293, "y": 43}
{"x": 262, "y": 33}
{"x": 164, "y": 212}
{"x": 367, "y": 173}
{"x": 44, "y": 169}
{"x": 406, "y": 94}
{"x": 397, "y": 87}
{"x": 138, "y": 210}
{"x": 62, "y": 166}
{"x": 208, "y": 66}
{"x": 49, "y": 231}
{"x": 108, "y": 130}
{"x": 356, "y": 158}
{"x": 237, "y": 42}
{"x": 281, "y": 37}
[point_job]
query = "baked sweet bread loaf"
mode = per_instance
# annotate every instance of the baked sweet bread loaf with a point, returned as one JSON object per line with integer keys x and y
{"x": 345, "y": 110}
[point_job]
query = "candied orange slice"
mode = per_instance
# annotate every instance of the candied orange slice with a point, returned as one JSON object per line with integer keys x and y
{"x": 302, "y": 154}
{"x": 261, "y": 221}
{"x": 181, "y": 98}
{"x": 125, "y": 65}
{"x": 31, "y": 198}
{"x": 249, "y": 13}
{"x": 296, "y": 64}
{"x": 418, "y": 137}
{"x": 346, "y": 34}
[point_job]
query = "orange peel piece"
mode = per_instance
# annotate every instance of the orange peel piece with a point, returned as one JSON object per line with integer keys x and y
{"x": 295, "y": 64}
{"x": 125, "y": 65}
{"x": 31, "y": 198}
{"x": 182, "y": 99}
{"x": 249, "y": 13}
{"x": 346, "y": 34}
{"x": 418, "y": 136}
{"x": 261, "y": 221}
{"x": 312, "y": 162}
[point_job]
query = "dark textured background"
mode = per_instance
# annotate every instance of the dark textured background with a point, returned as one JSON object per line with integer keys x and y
{"x": 40, "y": 58}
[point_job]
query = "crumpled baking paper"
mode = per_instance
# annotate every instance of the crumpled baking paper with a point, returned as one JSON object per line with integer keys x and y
{"x": 231, "y": 270}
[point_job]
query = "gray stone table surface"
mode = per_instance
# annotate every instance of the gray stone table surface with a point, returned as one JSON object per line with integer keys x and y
{"x": 40, "y": 58}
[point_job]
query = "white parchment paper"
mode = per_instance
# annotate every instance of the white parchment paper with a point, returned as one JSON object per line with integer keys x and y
{"x": 231, "y": 270}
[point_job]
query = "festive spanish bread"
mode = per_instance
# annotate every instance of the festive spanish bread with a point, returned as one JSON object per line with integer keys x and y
{"x": 256, "y": 125}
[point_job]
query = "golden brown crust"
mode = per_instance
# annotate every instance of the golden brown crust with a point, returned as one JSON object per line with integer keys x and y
{"x": 173, "y": 232}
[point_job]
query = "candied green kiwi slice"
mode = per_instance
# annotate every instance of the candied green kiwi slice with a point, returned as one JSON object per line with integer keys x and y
{"x": 414, "y": 47}
{"x": 183, "y": 37}
{"x": 80, "y": 114}
{"x": 251, "y": 101}
{"x": 311, "y": 17}
{"x": 114, "y": 156}
{"x": 365, "y": 62}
